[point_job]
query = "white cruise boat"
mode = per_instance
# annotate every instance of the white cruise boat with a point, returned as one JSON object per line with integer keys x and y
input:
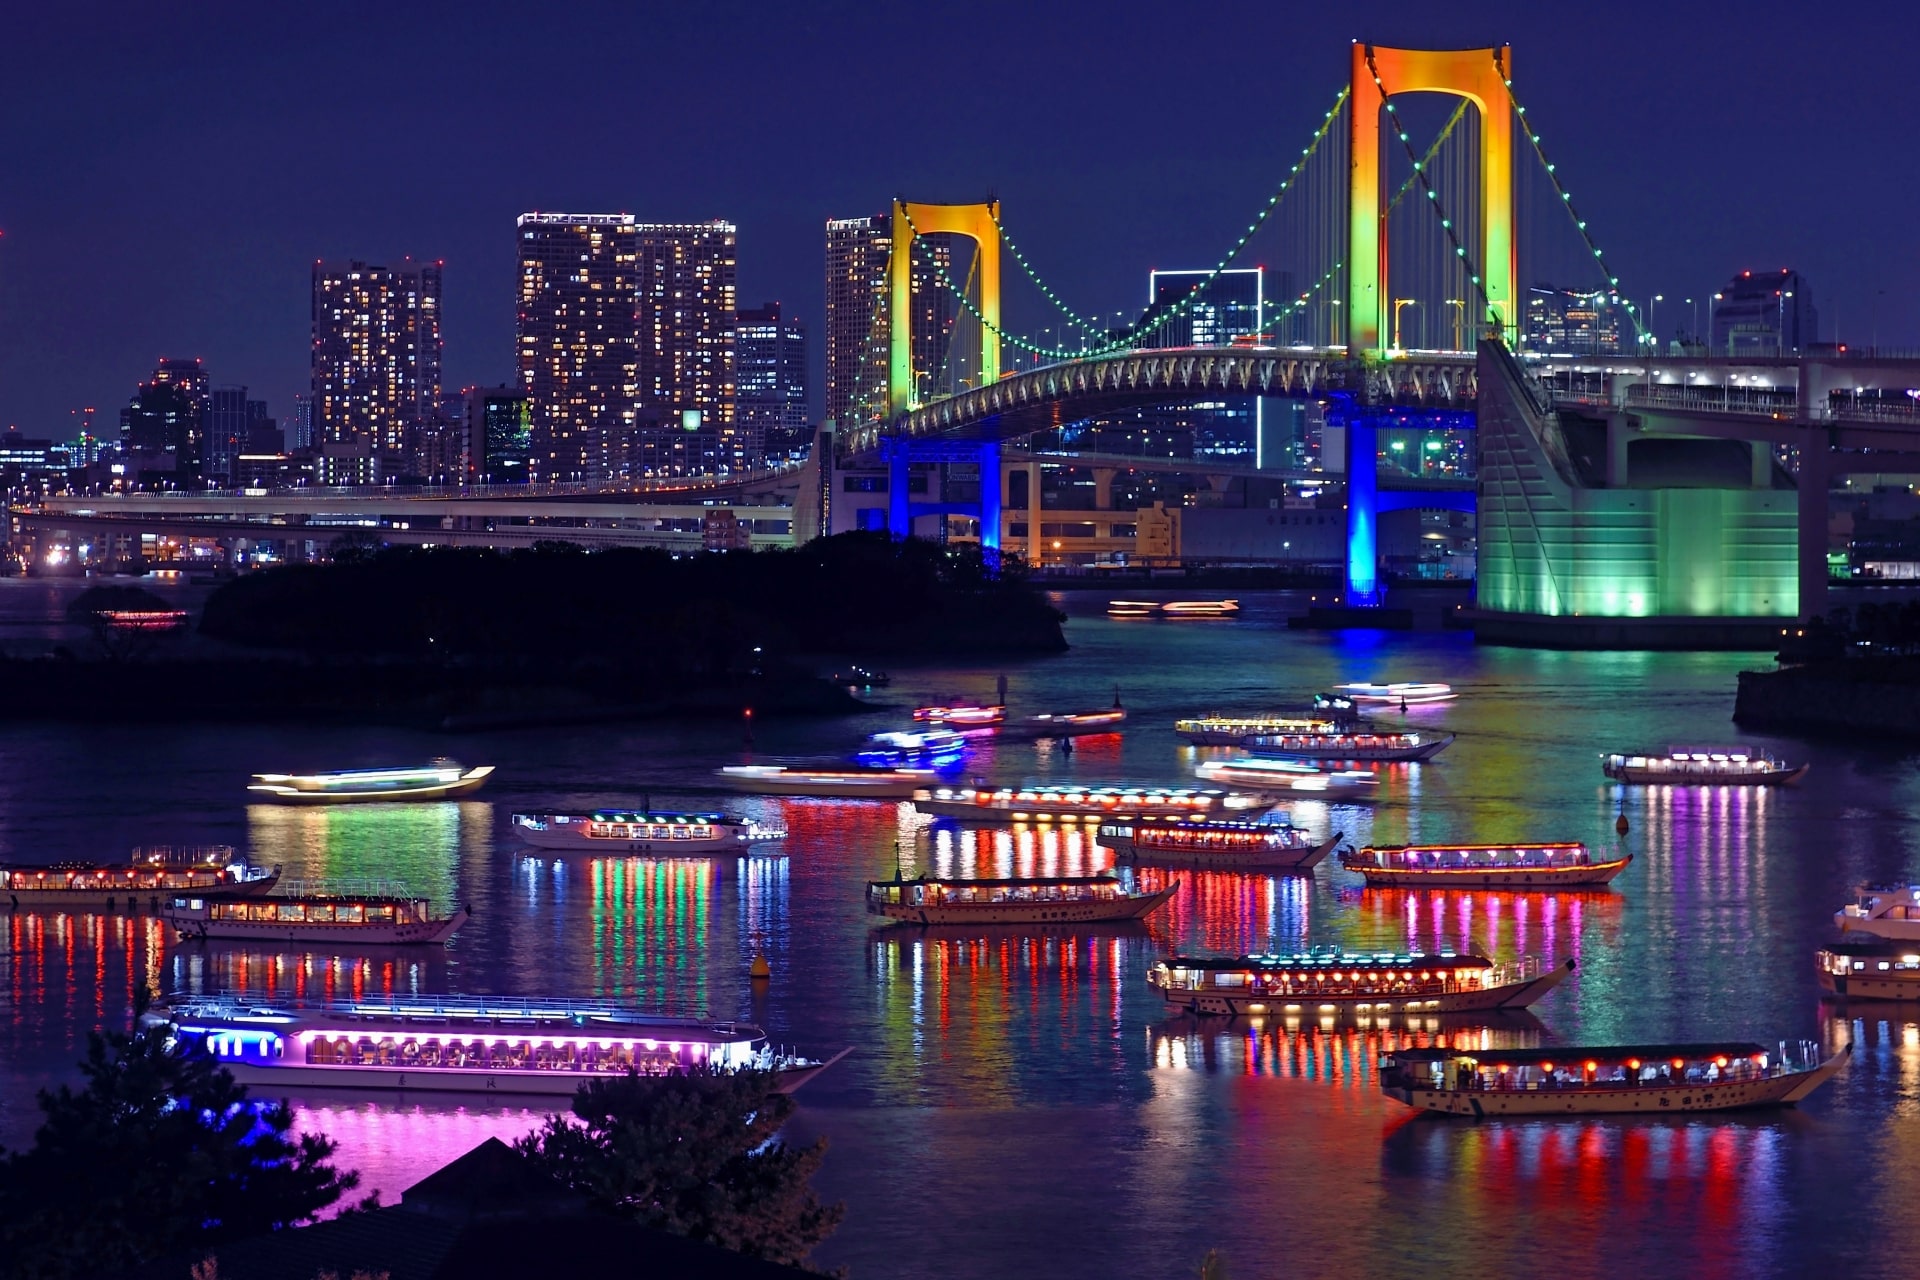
{"x": 840, "y": 782}
{"x": 1280, "y": 775}
{"x": 441, "y": 780}
{"x": 630, "y": 831}
{"x": 1883, "y": 911}
{"x": 1064, "y": 803}
{"x": 454, "y": 1044}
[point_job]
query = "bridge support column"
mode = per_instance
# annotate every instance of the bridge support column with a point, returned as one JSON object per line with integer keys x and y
{"x": 1363, "y": 500}
{"x": 1815, "y": 476}
{"x": 992, "y": 490}
{"x": 1035, "y": 550}
{"x": 1103, "y": 487}
{"x": 899, "y": 493}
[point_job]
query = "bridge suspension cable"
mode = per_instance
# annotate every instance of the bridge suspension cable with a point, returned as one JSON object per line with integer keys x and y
{"x": 1566, "y": 198}
{"x": 1128, "y": 336}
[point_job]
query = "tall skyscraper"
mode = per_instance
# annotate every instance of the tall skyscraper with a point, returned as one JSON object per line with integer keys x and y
{"x": 578, "y": 341}
{"x": 376, "y": 353}
{"x": 685, "y": 417}
{"x": 770, "y": 379}
{"x": 165, "y": 424}
{"x": 228, "y": 418}
{"x": 1768, "y": 314}
{"x": 300, "y": 425}
{"x": 1229, "y": 307}
{"x": 857, "y": 334}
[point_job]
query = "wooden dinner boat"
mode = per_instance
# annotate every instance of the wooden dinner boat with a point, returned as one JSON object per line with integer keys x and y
{"x": 148, "y": 878}
{"x": 1650, "y": 1079}
{"x": 330, "y": 915}
{"x": 1565, "y": 865}
{"x": 1329, "y": 980}
{"x": 1701, "y": 767}
{"x": 1062, "y": 803}
{"x": 1061, "y": 900}
{"x": 1856, "y": 968}
{"x": 1221, "y": 843}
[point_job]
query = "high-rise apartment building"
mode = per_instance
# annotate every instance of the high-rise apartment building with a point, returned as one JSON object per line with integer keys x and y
{"x": 1769, "y": 314}
{"x": 858, "y": 300}
{"x": 687, "y": 298}
{"x": 164, "y": 426}
{"x": 376, "y": 353}
{"x": 578, "y": 341}
{"x": 300, "y": 425}
{"x": 770, "y": 379}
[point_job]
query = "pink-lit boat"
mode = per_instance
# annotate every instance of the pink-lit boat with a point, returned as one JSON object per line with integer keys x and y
{"x": 465, "y": 1044}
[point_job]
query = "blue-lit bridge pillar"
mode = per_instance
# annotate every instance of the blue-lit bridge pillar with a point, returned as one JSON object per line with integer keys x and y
{"x": 1363, "y": 513}
{"x": 902, "y": 510}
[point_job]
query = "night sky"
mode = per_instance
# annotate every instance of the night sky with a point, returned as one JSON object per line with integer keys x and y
{"x": 168, "y": 173}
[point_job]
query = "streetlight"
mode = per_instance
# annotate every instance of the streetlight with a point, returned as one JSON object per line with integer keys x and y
{"x": 1713, "y": 317}
{"x": 1653, "y": 333}
{"x": 1780, "y": 324}
{"x": 1397, "y": 304}
{"x": 1459, "y": 306}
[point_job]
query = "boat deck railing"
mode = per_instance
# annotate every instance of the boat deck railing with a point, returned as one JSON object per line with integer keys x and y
{"x": 233, "y": 1002}
{"x": 175, "y": 855}
{"x": 1571, "y": 1077}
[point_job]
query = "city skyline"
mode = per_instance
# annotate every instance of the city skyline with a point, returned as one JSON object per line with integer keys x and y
{"x": 1678, "y": 219}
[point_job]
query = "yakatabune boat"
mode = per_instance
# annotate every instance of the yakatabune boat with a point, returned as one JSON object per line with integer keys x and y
{"x": 1278, "y": 774}
{"x": 1650, "y": 1079}
{"x": 371, "y": 916}
{"x": 623, "y": 831}
{"x": 150, "y": 877}
{"x": 441, "y": 780}
{"x": 1067, "y": 900}
{"x": 1701, "y": 767}
{"x": 474, "y": 1045}
{"x": 1216, "y": 842}
{"x": 1312, "y": 737}
{"x": 1869, "y": 969}
{"x": 1330, "y": 979}
{"x": 961, "y": 715}
{"x": 844, "y": 782}
{"x": 1483, "y": 866}
{"x": 1065, "y": 724}
{"x": 1076, "y": 804}
{"x": 1883, "y": 911}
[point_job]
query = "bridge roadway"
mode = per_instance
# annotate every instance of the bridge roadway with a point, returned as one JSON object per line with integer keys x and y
{"x": 302, "y": 515}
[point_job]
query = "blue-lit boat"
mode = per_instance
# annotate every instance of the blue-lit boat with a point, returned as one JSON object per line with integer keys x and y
{"x": 910, "y": 748}
{"x": 456, "y": 1044}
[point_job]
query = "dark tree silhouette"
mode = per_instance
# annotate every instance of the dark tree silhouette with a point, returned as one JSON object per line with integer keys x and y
{"x": 159, "y": 1151}
{"x": 693, "y": 1154}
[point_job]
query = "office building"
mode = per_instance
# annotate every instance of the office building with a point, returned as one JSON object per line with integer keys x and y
{"x": 578, "y": 341}
{"x": 858, "y": 301}
{"x": 499, "y": 434}
{"x": 300, "y": 424}
{"x": 228, "y": 420}
{"x": 376, "y": 355}
{"x": 163, "y": 429}
{"x": 770, "y": 380}
{"x": 1575, "y": 322}
{"x": 1768, "y": 314}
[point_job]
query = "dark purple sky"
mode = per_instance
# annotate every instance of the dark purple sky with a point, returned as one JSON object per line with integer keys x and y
{"x": 168, "y": 173}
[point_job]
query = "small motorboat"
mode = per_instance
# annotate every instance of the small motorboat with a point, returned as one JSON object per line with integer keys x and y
{"x": 441, "y": 780}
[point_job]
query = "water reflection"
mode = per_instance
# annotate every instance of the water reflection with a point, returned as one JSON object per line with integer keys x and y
{"x": 986, "y": 1014}
{"x": 1344, "y": 1052}
{"x": 1499, "y": 925}
{"x": 1698, "y": 843}
{"x": 1020, "y": 851}
{"x": 417, "y": 845}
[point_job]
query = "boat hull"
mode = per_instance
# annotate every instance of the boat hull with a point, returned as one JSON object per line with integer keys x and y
{"x": 1670, "y": 778}
{"x": 1542, "y": 878}
{"x": 131, "y": 901}
{"x": 1041, "y": 727}
{"x": 967, "y": 811}
{"x": 1860, "y": 987}
{"x": 1337, "y": 752}
{"x": 1879, "y": 927}
{"x": 1646, "y": 1099}
{"x": 575, "y": 840}
{"x": 295, "y": 1077}
{"x": 196, "y": 928}
{"x": 824, "y": 788}
{"x": 1304, "y": 859}
{"x": 1091, "y": 912}
{"x": 1233, "y": 1004}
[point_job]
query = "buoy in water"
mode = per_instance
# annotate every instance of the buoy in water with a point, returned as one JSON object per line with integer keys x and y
{"x": 760, "y": 970}
{"x": 1620, "y": 823}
